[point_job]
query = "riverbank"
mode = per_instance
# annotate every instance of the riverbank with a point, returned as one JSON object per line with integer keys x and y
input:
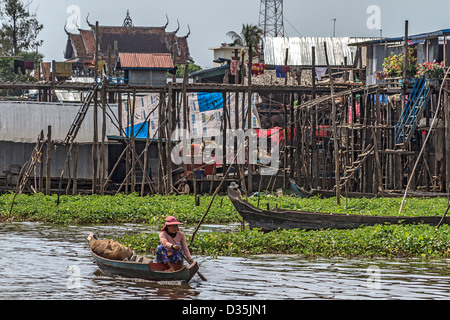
{"x": 378, "y": 241}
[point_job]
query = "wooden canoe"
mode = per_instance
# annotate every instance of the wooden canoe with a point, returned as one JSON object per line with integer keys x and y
{"x": 143, "y": 270}
{"x": 269, "y": 220}
{"x": 302, "y": 193}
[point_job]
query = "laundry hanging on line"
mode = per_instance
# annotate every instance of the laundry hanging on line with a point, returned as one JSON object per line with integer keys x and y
{"x": 46, "y": 73}
{"x": 282, "y": 70}
{"x": 296, "y": 72}
{"x": 63, "y": 69}
{"x": 18, "y": 64}
{"x": 234, "y": 67}
{"x": 23, "y": 65}
{"x": 29, "y": 65}
{"x": 258, "y": 69}
{"x": 321, "y": 72}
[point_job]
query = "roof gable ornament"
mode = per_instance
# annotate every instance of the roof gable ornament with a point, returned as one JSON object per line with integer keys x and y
{"x": 178, "y": 29}
{"x": 167, "y": 23}
{"x": 189, "y": 33}
{"x": 128, "y": 22}
{"x": 87, "y": 20}
{"x": 65, "y": 29}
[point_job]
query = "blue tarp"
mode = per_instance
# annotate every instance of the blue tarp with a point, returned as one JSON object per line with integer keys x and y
{"x": 140, "y": 131}
{"x": 209, "y": 101}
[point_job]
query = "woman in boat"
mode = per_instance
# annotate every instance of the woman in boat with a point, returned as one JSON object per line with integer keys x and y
{"x": 173, "y": 241}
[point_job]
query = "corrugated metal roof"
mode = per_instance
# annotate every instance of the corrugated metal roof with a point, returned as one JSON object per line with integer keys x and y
{"x": 421, "y": 36}
{"x": 300, "y": 52}
{"x": 146, "y": 60}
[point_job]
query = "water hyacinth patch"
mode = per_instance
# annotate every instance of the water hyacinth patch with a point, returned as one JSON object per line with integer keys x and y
{"x": 120, "y": 208}
{"x": 390, "y": 241}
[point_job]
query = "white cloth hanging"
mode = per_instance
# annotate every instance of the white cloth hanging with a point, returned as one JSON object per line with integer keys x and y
{"x": 321, "y": 72}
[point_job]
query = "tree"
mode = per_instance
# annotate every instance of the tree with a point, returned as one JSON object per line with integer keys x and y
{"x": 20, "y": 28}
{"x": 192, "y": 67}
{"x": 250, "y": 36}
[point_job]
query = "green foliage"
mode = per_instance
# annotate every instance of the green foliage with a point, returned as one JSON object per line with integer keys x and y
{"x": 86, "y": 209}
{"x": 20, "y": 28}
{"x": 393, "y": 65}
{"x": 379, "y": 241}
{"x": 250, "y": 35}
{"x": 7, "y": 71}
{"x": 192, "y": 67}
{"x": 431, "y": 70}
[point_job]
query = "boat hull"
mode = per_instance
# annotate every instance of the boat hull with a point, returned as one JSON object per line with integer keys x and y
{"x": 147, "y": 271}
{"x": 290, "y": 219}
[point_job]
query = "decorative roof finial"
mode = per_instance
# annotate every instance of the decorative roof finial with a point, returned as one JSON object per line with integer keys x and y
{"x": 87, "y": 20}
{"x": 128, "y": 22}
{"x": 178, "y": 21}
{"x": 65, "y": 29}
{"x": 189, "y": 33}
{"x": 167, "y": 23}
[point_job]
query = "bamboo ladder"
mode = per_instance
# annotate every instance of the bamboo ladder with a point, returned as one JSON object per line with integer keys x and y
{"x": 74, "y": 128}
{"x": 27, "y": 169}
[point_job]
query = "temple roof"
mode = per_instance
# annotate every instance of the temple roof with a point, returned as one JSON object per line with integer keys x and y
{"x": 126, "y": 39}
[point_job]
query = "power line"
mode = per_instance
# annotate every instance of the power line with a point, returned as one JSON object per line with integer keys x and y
{"x": 293, "y": 27}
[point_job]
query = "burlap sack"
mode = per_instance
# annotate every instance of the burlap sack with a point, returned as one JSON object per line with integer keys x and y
{"x": 110, "y": 249}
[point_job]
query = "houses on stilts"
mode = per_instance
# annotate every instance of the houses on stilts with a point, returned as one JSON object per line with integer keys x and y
{"x": 111, "y": 116}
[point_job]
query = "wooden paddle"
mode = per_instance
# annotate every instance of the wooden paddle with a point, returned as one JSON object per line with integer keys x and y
{"x": 198, "y": 272}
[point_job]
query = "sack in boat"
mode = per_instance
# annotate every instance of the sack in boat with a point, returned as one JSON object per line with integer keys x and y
{"x": 110, "y": 249}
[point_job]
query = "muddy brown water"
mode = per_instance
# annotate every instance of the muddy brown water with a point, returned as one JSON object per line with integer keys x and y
{"x": 40, "y": 261}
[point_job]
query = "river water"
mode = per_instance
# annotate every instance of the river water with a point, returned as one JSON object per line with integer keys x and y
{"x": 40, "y": 261}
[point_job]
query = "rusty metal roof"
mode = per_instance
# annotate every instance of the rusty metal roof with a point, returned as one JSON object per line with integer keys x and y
{"x": 145, "y": 61}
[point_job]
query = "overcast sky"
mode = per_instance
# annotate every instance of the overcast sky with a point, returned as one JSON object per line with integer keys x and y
{"x": 210, "y": 20}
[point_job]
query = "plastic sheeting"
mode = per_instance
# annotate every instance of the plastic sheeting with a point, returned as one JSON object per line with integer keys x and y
{"x": 206, "y": 111}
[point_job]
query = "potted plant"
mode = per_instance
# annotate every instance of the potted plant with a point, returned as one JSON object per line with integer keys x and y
{"x": 432, "y": 71}
{"x": 393, "y": 65}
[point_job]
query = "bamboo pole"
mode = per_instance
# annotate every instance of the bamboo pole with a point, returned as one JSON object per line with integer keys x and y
{"x": 405, "y": 64}
{"x": 48, "y": 161}
{"x": 313, "y": 168}
{"x": 249, "y": 120}
{"x": 335, "y": 141}
{"x": 133, "y": 144}
{"x": 95, "y": 144}
{"x": 147, "y": 143}
{"x": 102, "y": 146}
{"x": 285, "y": 125}
{"x": 75, "y": 170}
{"x": 170, "y": 106}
